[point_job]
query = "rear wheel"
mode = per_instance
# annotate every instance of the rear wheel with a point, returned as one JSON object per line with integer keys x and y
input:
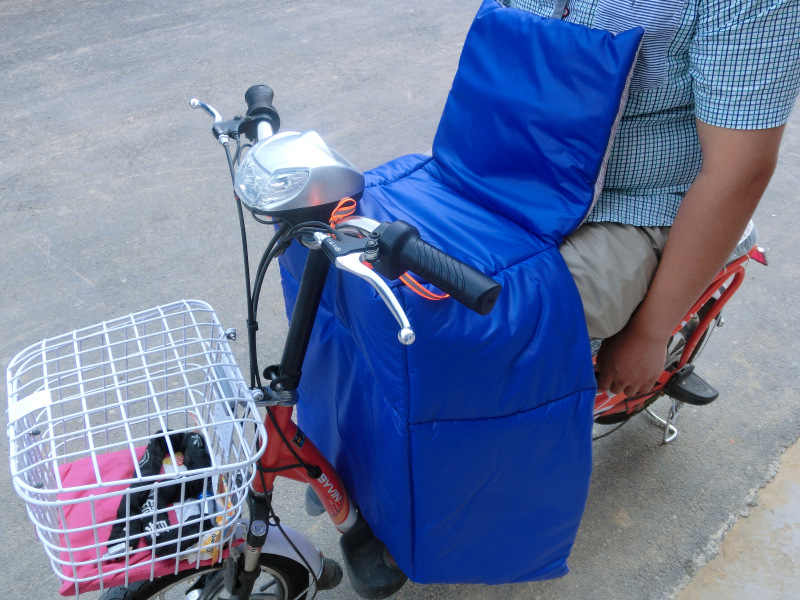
{"x": 280, "y": 579}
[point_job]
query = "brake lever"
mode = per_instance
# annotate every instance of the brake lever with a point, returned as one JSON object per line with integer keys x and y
{"x": 195, "y": 103}
{"x": 218, "y": 128}
{"x": 348, "y": 256}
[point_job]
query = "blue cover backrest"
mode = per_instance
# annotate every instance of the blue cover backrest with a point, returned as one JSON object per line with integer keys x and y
{"x": 533, "y": 96}
{"x": 469, "y": 452}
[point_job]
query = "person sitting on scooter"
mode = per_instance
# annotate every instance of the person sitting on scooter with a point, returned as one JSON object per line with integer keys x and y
{"x": 712, "y": 90}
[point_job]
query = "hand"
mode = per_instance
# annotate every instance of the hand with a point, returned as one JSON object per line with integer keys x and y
{"x": 631, "y": 361}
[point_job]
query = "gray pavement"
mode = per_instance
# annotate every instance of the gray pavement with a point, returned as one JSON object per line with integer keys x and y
{"x": 114, "y": 198}
{"x": 759, "y": 558}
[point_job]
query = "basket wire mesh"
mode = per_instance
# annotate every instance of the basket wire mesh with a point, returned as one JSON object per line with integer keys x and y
{"x": 87, "y": 410}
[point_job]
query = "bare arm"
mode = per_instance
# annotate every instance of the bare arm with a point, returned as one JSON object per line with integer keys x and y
{"x": 737, "y": 166}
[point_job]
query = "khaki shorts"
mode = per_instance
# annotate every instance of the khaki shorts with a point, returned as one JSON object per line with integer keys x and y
{"x": 613, "y": 265}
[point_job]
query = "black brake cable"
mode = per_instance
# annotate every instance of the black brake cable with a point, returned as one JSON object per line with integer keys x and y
{"x": 310, "y": 227}
{"x": 275, "y": 521}
{"x": 280, "y": 241}
{"x": 252, "y": 326}
{"x": 312, "y": 470}
{"x": 630, "y": 416}
{"x": 239, "y": 149}
{"x": 276, "y": 245}
{"x": 607, "y": 433}
{"x": 257, "y": 219}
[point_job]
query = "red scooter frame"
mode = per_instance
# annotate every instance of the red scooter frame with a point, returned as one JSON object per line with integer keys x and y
{"x": 287, "y": 453}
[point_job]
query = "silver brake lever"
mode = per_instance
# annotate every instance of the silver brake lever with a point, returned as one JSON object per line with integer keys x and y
{"x": 195, "y": 103}
{"x": 222, "y": 138}
{"x": 352, "y": 264}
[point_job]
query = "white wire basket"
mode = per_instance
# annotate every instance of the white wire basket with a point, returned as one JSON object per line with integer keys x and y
{"x": 87, "y": 413}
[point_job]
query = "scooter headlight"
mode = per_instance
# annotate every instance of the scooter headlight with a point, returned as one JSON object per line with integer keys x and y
{"x": 293, "y": 175}
{"x": 262, "y": 190}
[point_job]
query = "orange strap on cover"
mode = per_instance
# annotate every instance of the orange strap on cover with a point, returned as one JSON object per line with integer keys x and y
{"x": 345, "y": 208}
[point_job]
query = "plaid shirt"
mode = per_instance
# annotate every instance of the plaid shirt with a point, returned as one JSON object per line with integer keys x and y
{"x": 729, "y": 63}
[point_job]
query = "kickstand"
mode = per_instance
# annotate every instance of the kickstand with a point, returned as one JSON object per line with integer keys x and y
{"x": 668, "y": 425}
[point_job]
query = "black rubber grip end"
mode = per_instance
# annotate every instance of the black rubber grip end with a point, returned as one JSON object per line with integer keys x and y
{"x": 259, "y": 108}
{"x": 259, "y": 99}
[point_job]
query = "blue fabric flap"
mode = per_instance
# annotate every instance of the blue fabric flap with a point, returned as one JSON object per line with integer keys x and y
{"x": 469, "y": 452}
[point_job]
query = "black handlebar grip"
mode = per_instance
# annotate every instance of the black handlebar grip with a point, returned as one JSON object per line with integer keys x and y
{"x": 258, "y": 98}
{"x": 401, "y": 249}
{"x": 259, "y": 105}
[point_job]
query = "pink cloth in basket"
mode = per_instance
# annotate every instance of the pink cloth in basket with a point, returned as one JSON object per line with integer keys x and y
{"x": 113, "y": 467}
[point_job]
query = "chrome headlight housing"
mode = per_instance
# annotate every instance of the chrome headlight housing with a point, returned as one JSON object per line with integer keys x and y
{"x": 291, "y": 171}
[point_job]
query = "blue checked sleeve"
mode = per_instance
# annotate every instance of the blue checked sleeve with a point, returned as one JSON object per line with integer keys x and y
{"x": 745, "y": 60}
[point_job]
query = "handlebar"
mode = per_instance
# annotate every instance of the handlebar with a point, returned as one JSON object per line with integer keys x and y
{"x": 261, "y": 112}
{"x": 260, "y": 121}
{"x": 401, "y": 249}
{"x": 394, "y": 248}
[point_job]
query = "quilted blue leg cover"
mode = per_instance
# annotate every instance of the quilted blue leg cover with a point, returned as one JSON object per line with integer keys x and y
{"x": 469, "y": 452}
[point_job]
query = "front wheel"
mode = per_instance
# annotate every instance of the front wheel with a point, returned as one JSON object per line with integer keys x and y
{"x": 280, "y": 579}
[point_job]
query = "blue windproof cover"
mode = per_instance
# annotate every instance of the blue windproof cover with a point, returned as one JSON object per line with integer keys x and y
{"x": 469, "y": 452}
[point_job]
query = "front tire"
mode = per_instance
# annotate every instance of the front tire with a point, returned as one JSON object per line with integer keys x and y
{"x": 281, "y": 579}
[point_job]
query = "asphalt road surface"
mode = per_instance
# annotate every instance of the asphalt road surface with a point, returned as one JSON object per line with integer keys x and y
{"x": 115, "y": 198}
